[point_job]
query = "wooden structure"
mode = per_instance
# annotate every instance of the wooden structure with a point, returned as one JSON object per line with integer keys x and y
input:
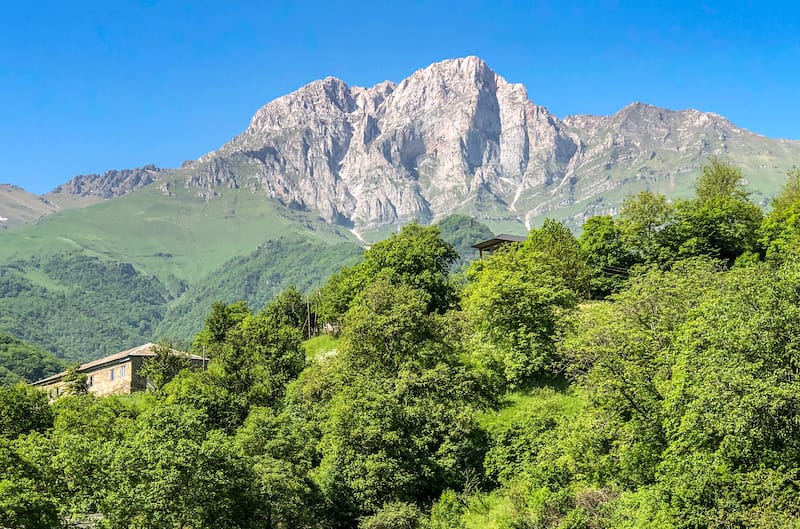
{"x": 490, "y": 245}
{"x": 112, "y": 375}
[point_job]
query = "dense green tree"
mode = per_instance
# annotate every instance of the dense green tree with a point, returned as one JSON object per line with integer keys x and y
{"x": 165, "y": 365}
{"x": 514, "y": 302}
{"x": 23, "y": 409}
{"x": 417, "y": 256}
{"x": 75, "y": 382}
{"x": 221, "y": 319}
{"x": 780, "y": 229}
{"x": 721, "y": 221}
{"x": 557, "y": 244}
{"x": 73, "y": 458}
{"x": 606, "y": 255}
{"x": 251, "y": 366}
{"x": 282, "y": 450}
{"x": 401, "y": 426}
{"x": 290, "y": 308}
{"x": 23, "y": 502}
{"x": 647, "y": 225}
{"x": 395, "y": 515}
{"x": 174, "y": 473}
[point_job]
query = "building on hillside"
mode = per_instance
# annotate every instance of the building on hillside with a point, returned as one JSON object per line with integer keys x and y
{"x": 490, "y": 245}
{"x": 113, "y": 375}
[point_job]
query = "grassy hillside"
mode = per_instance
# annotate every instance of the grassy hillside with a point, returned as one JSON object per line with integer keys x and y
{"x": 177, "y": 237}
{"x": 88, "y": 281}
{"x": 79, "y": 306}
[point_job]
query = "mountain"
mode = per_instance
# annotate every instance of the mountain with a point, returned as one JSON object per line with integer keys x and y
{"x": 320, "y": 171}
{"x": 455, "y": 137}
{"x": 18, "y": 207}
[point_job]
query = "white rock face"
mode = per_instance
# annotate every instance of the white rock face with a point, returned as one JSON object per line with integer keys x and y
{"x": 452, "y": 137}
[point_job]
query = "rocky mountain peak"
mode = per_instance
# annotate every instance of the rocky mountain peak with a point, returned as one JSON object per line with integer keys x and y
{"x": 452, "y": 137}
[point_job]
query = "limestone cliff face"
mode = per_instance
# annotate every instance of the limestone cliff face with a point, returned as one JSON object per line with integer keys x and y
{"x": 456, "y": 137}
{"x": 453, "y": 136}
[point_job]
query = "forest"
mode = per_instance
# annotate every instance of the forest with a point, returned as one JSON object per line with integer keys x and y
{"x": 643, "y": 374}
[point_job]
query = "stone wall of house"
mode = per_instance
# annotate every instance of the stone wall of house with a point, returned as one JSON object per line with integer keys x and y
{"x": 111, "y": 379}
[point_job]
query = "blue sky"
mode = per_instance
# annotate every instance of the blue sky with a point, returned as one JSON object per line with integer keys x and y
{"x": 95, "y": 85}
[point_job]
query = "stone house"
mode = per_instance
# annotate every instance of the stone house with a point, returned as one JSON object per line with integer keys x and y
{"x": 112, "y": 375}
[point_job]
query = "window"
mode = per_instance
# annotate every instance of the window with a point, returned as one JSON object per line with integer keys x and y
{"x": 90, "y": 381}
{"x": 111, "y": 376}
{"x": 122, "y": 371}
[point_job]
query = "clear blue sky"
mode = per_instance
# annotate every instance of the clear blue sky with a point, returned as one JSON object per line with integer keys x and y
{"x": 94, "y": 85}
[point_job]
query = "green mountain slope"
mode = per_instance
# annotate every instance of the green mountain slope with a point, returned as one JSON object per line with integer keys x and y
{"x": 178, "y": 237}
{"x": 86, "y": 282}
{"x": 256, "y": 278}
{"x": 20, "y": 360}
{"x": 79, "y": 306}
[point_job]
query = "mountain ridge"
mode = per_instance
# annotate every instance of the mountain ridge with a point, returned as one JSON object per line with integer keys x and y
{"x": 453, "y": 137}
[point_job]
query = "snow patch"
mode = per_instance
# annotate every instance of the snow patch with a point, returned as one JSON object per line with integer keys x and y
{"x": 358, "y": 235}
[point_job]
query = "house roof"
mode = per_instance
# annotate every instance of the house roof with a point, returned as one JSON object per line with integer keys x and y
{"x": 142, "y": 350}
{"x": 497, "y": 240}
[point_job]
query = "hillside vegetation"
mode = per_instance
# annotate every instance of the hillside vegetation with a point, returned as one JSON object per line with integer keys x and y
{"x": 643, "y": 375}
{"x": 88, "y": 282}
{"x": 22, "y": 361}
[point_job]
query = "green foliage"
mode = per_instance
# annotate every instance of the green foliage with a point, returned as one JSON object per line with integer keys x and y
{"x": 462, "y": 231}
{"x": 24, "y": 501}
{"x": 165, "y": 365}
{"x": 222, "y": 319}
{"x": 514, "y": 301}
{"x": 23, "y": 409}
{"x": 607, "y": 256}
{"x": 78, "y": 306}
{"x": 75, "y": 383}
{"x": 174, "y": 472}
{"x": 721, "y": 221}
{"x": 400, "y": 426}
{"x": 647, "y": 225}
{"x": 21, "y": 360}
{"x": 447, "y": 512}
{"x": 395, "y": 515}
{"x": 673, "y": 403}
{"x": 253, "y": 356}
{"x": 780, "y": 230}
{"x": 558, "y": 246}
{"x": 256, "y": 278}
{"x": 417, "y": 256}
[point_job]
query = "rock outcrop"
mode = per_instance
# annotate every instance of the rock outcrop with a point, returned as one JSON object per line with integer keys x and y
{"x": 110, "y": 184}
